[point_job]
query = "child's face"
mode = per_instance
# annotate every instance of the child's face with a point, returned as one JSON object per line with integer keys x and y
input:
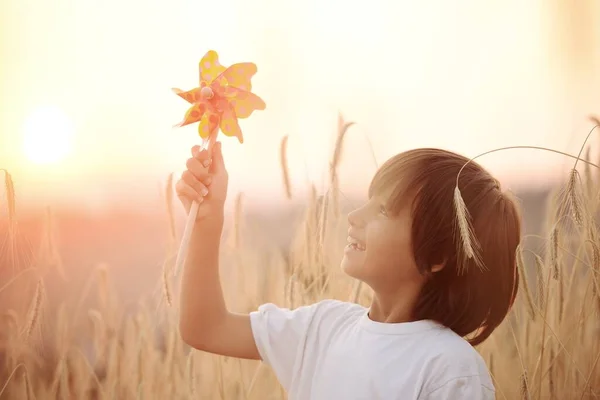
{"x": 379, "y": 252}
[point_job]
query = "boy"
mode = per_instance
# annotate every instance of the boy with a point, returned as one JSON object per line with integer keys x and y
{"x": 403, "y": 244}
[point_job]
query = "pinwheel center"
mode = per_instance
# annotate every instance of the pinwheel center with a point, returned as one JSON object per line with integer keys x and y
{"x": 207, "y": 92}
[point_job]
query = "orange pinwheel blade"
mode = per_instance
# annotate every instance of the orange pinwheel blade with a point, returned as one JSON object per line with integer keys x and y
{"x": 244, "y": 103}
{"x": 191, "y": 96}
{"x": 210, "y": 68}
{"x": 239, "y": 75}
{"x": 193, "y": 114}
{"x": 208, "y": 124}
{"x": 229, "y": 124}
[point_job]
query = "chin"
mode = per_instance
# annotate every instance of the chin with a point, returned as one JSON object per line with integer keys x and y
{"x": 352, "y": 268}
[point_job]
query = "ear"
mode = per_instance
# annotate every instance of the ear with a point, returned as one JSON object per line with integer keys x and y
{"x": 438, "y": 267}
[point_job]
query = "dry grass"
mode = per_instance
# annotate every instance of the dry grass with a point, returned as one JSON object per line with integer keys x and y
{"x": 468, "y": 245}
{"x": 284, "y": 168}
{"x": 547, "y": 349}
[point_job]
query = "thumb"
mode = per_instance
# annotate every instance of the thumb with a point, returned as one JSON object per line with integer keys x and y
{"x": 218, "y": 164}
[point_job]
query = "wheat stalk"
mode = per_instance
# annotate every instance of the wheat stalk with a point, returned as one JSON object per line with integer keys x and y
{"x": 21, "y": 365}
{"x": 551, "y": 373}
{"x": 561, "y": 294}
{"x": 15, "y": 277}
{"x": 27, "y": 386}
{"x": 10, "y": 197}
{"x": 191, "y": 371}
{"x": 539, "y": 269}
{"x": 589, "y": 377}
{"x": 35, "y": 308}
{"x": 103, "y": 293}
{"x": 525, "y": 386}
{"x": 522, "y": 272}
{"x": 284, "y": 167}
{"x": 49, "y": 250}
{"x": 12, "y": 216}
{"x": 554, "y": 251}
{"x": 291, "y": 291}
{"x": 343, "y": 127}
{"x": 589, "y": 183}
{"x": 166, "y": 286}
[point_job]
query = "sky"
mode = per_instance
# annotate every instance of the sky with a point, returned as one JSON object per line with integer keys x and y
{"x": 467, "y": 75}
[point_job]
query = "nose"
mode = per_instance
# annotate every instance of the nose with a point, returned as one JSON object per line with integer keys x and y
{"x": 354, "y": 218}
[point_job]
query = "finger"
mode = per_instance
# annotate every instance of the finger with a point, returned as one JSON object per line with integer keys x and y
{"x": 195, "y": 167}
{"x": 185, "y": 190}
{"x": 195, "y": 150}
{"x": 217, "y": 159}
{"x": 202, "y": 155}
{"x": 194, "y": 183}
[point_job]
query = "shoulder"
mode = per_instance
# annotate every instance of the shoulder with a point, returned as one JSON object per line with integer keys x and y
{"x": 328, "y": 310}
{"x": 453, "y": 364}
{"x": 327, "y": 306}
{"x": 453, "y": 354}
{"x": 283, "y": 336}
{"x": 333, "y": 308}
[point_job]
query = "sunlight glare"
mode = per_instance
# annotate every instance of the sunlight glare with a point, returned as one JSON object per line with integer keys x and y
{"x": 48, "y": 134}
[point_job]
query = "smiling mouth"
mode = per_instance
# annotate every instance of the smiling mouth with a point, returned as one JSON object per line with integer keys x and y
{"x": 355, "y": 244}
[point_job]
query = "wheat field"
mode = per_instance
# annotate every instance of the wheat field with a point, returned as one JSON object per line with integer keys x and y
{"x": 548, "y": 347}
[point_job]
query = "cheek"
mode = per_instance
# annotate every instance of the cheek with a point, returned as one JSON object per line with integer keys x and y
{"x": 387, "y": 238}
{"x": 390, "y": 250}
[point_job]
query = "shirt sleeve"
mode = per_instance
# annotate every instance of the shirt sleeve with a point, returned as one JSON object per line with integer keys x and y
{"x": 280, "y": 335}
{"x": 467, "y": 387}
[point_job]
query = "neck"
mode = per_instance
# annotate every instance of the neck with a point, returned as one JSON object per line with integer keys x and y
{"x": 396, "y": 306}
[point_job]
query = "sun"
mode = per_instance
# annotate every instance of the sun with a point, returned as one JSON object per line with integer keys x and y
{"x": 47, "y": 135}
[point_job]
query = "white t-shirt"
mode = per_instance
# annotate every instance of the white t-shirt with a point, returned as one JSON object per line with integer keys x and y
{"x": 332, "y": 350}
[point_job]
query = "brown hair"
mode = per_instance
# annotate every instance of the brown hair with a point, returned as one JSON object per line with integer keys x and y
{"x": 461, "y": 296}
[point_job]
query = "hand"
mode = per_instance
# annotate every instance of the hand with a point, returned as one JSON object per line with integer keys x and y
{"x": 205, "y": 181}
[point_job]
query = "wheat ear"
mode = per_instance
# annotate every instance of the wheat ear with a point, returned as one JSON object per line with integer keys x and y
{"x": 35, "y": 308}
{"x": 575, "y": 197}
{"x": 469, "y": 246}
{"x": 468, "y": 242}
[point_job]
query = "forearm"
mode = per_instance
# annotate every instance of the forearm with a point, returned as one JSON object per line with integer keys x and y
{"x": 202, "y": 305}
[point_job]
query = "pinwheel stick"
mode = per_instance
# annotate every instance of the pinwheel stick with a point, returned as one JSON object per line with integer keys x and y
{"x": 207, "y": 144}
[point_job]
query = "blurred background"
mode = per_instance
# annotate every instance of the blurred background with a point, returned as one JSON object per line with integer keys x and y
{"x": 87, "y": 112}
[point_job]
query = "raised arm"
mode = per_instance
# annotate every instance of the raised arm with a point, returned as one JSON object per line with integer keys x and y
{"x": 204, "y": 322}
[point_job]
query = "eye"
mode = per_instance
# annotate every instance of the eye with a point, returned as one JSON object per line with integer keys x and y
{"x": 382, "y": 210}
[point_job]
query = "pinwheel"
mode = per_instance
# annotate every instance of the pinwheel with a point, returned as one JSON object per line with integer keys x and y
{"x": 224, "y": 95}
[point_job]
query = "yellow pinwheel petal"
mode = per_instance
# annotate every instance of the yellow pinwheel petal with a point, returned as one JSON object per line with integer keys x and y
{"x": 239, "y": 76}
{"x": 208, "y": 124}
{"x": 210, "y": 68}
{"x": 193, "y": 114}
{"x": 229, "y": 124}
{"x": 191, "y": 96}
{"x": 243, "y": 102}
{"x": 230, "y": 97}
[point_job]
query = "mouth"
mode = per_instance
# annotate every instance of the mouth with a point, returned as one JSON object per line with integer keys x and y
{"x": 355, "y": 244}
